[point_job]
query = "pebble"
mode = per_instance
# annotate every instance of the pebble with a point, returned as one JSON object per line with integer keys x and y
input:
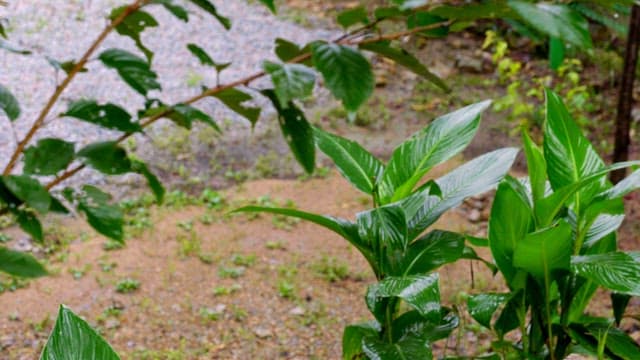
{"x": 474, "y": 215}
{"x": 262, "y": 332}
{"x": 7, "y": 341}
{"x": 297, "y": 311}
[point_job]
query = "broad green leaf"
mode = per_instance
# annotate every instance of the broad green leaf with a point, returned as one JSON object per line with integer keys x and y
{"x": 48, "y": 156}
{"x": 476, "y": 176}
{"x": 107, "y": 157}
{"x": 20, "y": 264}
{"x": 405, "y": 349}
{"x": 510, "y": 221}
{"x": 347, "y": 73}
{"x": 29, "y": 190}
{"x": 297, "y": 132}
{"x": 413, "y": 324}
{"x": 617, "y": 341}
{"x": 473, "y": 11}
{"x": 445, "y": 137}
{"x": 483, "y": 306}
{"x": 134, "y": 70}
{"x": 544, "y": 252}
{"x": 425, "y": 18}
{"x": 205, "y": 58}
{"x": 536, "y": 165}
{"x": 432, "y": 251}
{"x": 270, "y": 4}
{"x": 569, "y": 155}
{"x": 403, "y": 58}
{"x": 9, "y": 104}
{"x": 105, "y": 218}
{"x": 410, "y": 4}
{"x": 509, "y": 317}
{"x": 612, "y": 19}
{"x": 133, "y": 25}
{"x": 30, "y": 224}
{"x": 184, "y": 115}
{"x": 386, "y": 12}
{"x": 287, "y": 50}
{"x": 73, "y": 338}
{"x": 555, "y": 20}
{"x": 619, "y": 303}
{"x": 556, "y": 53}
{"x": 109, "y": 116}
{"x": 291, "y": 81}
{"x": 155, "y": 184}
{"x": 177, "y": 10}
{"x": 627, "y": 185}
{"x": 207, "y": 6}
{"x": 385, "y": 228}
{"x": 234, "y": 99}
{"x": 419, "y": 291}
{"x": 57, "y": 206}
{"x": 350, "y": 17}
{"x": 616, "y": 271}
{"x": 354, "y": 162}
{"x": 352, "y": 338}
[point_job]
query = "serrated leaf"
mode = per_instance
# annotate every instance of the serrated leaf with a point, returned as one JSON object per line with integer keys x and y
{"x": 134, "y": 70}
{"x": 29, "y": 190}
{"x": 347, "y": 73}
{"x": 20, "y": 264}
{"x": 133, "y": 25}
{"x": 73, "y": 338}
{"x": 177, "y": 10}
{"x": 155, "y": 184}
{"x": 48, "y": 156}
{"x": 483, "y": 306}
{"x": 287, "y": 50}
{"x": 554, "y": 20}
{"x": 109, "y": 116}
{"x": 205, "y": 58}
{"x": 432, "y": 251}
{"x": 404, "y": 58}
{"x": 107, "y": 157}
{"x": 355, "y": 163}
{"x": 291, "y": 81}
{"x": 105, "y": 218}
{"x": 616, "y": 271}
{"x": 9, "y": 104}
{"x": 350, "y": 17}
{"x": 234, "y": 99}
{"x": 207, "y": 6}
{"x": 445, "y": 137}
{"x": 184, "y": 115}
{"x": 297, "y": 132}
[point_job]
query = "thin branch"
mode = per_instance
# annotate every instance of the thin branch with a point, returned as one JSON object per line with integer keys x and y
{"x": 60, "y": 88}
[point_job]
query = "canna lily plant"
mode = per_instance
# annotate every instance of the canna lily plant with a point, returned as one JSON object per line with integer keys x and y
{"x": 553, "y": 238}
{"x": 405, "y": 301}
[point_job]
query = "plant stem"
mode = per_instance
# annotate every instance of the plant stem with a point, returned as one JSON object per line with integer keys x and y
{"x": 70, "y": 76}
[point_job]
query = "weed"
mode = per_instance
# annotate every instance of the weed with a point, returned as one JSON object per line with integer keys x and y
{"x": 286, "y": 289}
{"x": 111, "y": 245}
{"x": 79, "y": 273}
{"x": 275, "y": 245}
{"x": 209, "y": 314}
{"x": 212, "y": 199}
{"x": 243, "y": 260}
{"x": 232, "y": 272}
{"x": 4, "y": 238}
{"x": 127, "y": 285}
{"x": 226, "y": 290}
{"x": 189, "y": 244}
{"x": 239, "y": 314}
{"x": 331, "y": 269}
{"x": 207, "y": 257}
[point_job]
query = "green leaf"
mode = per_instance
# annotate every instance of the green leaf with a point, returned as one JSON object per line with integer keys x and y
{"x": 425, "y": 18}
{"x": 133, "y": 25}
{"x": 555, "y": 20}
{"x": 355, "y": 163}
{"x": 473, "y": 11}
{"x": 66, "y": 66}
{"x": 184, "y": 115}
{"x": 510, "y": 221}
{"x": 619, "y": 303}
{"x": 627, "y": 185}
{"x": 617, "y": 341}
{"x": 105, "y": 218}
{"x": 20, "y": 264}
{"x": 207, "y": 6}
{"x": 445, "y": 137}
{"x": 155, "y": 184}
{"x": 297, "y": 132}
{"x": 353, "y": 16}
{"x": 73, "y": 338}
{"x": 29, "y": 190}
{"x": 9, "y": 104}
{"x": 569, "y": 155}
{"x": 205, "y": 59}
{"x": 132, "y": 69}
{"x": 287, "y": 50}
{"x": 616, "y": 271}
{"x": 352, "y": 338}
{"x": 432, "y": 251}
{"x": 291, "y": 81}
{"x": 107, "y": 157}
{"x": 48, "y": 157}
{"x": 483, "y": 306}
{"x": 412, "y": 324}
{"x": 405, "y": 349}
{"x": 475, "y": 177}
{"x": 509, "y": 318}
{"x": 410, "y": 4}
{"x": 403, "y": 58}
{"x": 384, "y": 227}
{"x": 109, "y": 116}
{"x": 270, "y": 4}
{"x": 556, "y": 53}
{"x": 544, "y": 252}
{"x": 30, "y": 224}
{"x": 536, "y": 165}
{"x": 347, "y": 73}
{"x": 420, "y": 291}
{"x": 177, "y": 10}
{"x": 234, "y": 99}
{"x": 386, "y": 12}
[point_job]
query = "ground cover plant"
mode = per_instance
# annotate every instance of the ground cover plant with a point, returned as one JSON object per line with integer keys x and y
{"x": 405, "y": 302}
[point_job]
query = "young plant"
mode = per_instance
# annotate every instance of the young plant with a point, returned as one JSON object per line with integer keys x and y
{"x": 405, "y": 301}
{"x": 553, "y": 238}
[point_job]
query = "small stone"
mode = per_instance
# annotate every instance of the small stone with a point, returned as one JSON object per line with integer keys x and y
{"x": 176, "y": 308}
{"x": 477, "y": 204}
{"x": 6, "y": 341}
{"x": 474, "y": 215}
{"x": 262, "y": 332}
{"x": 220, "y": 308}
{"x": 297, "y": 311}
{"x": 24, "y": 244}
{"x": 112, "y": 324}
{"x": 131, "y": 344}
{"x": 469, "y": 63}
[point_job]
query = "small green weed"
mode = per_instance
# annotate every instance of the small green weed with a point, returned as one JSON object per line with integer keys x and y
{"x": 127, "y": 285}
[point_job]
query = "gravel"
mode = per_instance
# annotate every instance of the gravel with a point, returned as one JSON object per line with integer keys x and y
{"x": 62, "y": 30}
